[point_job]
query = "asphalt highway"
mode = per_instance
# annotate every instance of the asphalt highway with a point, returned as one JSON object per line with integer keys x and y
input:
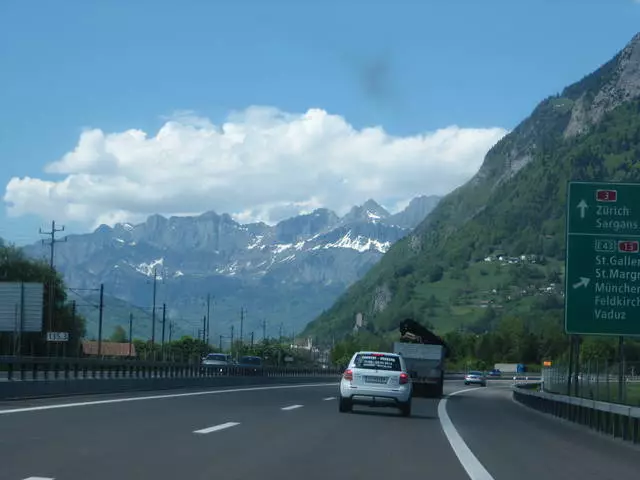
{"x": 296, "y": 432}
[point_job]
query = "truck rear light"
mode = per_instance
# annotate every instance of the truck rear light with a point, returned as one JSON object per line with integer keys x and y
{"x": 348, "y": 375}
{"x": 404, "y": 378}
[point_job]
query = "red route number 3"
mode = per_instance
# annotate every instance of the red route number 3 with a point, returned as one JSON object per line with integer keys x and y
{"x": 606, "y": 195}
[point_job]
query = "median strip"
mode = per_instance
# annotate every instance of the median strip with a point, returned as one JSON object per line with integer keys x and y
{"x": 161, "y": 397}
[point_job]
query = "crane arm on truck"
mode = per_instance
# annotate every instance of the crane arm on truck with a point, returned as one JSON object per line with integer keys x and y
{"x": 413, "y": 332}
{"x": 424, "y": 354}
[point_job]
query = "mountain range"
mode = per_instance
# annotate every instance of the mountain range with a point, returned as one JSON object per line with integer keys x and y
{"x": 494, "y": 248}
{"x": 279, "y": 276}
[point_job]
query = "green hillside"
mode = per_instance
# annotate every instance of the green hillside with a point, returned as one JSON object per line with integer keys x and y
{"x": 495, "y": 247}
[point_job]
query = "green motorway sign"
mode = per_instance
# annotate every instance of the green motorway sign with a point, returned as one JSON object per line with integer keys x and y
{"x": 602, "y": 274}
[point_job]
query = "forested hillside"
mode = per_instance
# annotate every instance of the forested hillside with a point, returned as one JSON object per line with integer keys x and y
{"x": 491, "y": 255}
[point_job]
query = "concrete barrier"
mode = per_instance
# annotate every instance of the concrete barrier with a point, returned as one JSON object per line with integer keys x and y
{"x": 619, "y": 421}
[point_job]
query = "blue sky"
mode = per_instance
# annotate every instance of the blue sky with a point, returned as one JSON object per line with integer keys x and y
{"x": 410, "y": 67}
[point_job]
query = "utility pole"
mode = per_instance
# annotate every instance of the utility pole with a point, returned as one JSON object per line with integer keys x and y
{"x": 220, "y": 342}
{"x": 231, "y": 337}
{"x": 208, "y": 317}
{"x": 100, "y": 310}
{"x": 204, "y": 329}
{"x": 264, "y": 330}
{"x": 130, "y": 332}
{"x": 251, "y": 339}
{"x": 170, "y": 330}
{"x": 164, "y": 321}
{"x": 153, "y": 311}
{"x": 73, "y": 319}
{"x": 242, "y": 312}
{"x": 51, "y": 294}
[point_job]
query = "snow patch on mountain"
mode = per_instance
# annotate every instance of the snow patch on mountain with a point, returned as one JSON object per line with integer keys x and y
{"x": 359, "y": 243}
{"x": 148, "y": 269}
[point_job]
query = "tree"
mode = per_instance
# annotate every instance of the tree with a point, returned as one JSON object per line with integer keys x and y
{"x": 16, "y": 267}
{"x": 119, "y": 335}
{"x": 435, "y": 273}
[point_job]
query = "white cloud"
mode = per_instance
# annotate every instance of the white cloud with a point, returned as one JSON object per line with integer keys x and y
{"x": 262, "y": 164}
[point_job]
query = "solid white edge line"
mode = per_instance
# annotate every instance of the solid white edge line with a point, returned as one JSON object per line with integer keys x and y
{"x": 467, "y": 459}
{"x": 329, "y": 398}
{"x": 217, "y": 428}
{"x": 158, "y": 397}
{"x": 291, "y": 407}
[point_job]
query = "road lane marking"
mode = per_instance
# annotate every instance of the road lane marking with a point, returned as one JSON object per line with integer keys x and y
{"x": 217, "y": 428}
{"x": 159, "y": 397}
{"x": 329, "y": 398}
{"x": 468, "y": 460}
{"x": 40, "y": 478}
{"x": 291, "y": 407}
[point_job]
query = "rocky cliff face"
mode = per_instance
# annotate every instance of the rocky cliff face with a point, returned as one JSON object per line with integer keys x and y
{"x": 287, "y": 273}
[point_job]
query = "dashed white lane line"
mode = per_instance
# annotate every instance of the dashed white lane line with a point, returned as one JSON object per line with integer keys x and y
{"x": 291, "y": 407}
{"x": 40, "y": 478}
{"x": 217, "y": 428}
{"x": 470, "y": 463}
{"x": 329, "y": 398}
{"x": 160, "y": 397}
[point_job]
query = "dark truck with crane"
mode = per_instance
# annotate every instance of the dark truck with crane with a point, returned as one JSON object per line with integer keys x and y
{"x": 424, "y": 353}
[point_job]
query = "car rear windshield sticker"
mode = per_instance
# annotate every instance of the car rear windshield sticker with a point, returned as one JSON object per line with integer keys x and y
{"x": 377, "y": 362}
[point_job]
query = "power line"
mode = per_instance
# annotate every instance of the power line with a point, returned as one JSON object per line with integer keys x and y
{"x": 52, "y": 243}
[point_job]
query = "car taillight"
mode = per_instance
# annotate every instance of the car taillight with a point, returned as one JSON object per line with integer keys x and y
{"x": 404, "y": 378}
{"x": 348, "y": 375}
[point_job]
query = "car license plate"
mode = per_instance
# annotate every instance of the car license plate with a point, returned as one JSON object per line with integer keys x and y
{"x": 376, "y": 380}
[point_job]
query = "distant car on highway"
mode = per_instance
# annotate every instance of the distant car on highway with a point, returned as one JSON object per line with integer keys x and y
{"x": 376, "y": 379}
{"x": 475, "y": 378}
{"x": 220, "y": 360}
{"x": 495, "y": 373}
{"x": 250, "y": 365}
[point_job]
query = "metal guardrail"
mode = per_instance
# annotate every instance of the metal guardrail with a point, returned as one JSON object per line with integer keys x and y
{"x": 619, "y": 421}
{"x": 35, "y": 368}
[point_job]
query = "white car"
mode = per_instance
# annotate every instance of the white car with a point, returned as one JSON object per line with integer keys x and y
{"x": 376, "y": 379}
{"x": 475, "y": 378}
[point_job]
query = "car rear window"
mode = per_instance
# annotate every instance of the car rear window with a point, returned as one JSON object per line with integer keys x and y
{"x": 216, "y": 356}
{"x": 477, "y": 374}
{"x": 377, "y": 362}
{"x": 251, "y": 360}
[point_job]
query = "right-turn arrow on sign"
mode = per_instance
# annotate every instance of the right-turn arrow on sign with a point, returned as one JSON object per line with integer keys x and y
{"x": 584, "y": 282}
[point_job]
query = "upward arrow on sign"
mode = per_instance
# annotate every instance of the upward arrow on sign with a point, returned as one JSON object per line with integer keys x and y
{"x": 582, "y": 206}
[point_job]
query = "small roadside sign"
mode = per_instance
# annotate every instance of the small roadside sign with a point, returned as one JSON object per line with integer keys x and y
{"x": 57, "y": 336}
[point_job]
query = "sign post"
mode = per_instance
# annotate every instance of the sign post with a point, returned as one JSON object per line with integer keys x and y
{"x": 602, "y": 269}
